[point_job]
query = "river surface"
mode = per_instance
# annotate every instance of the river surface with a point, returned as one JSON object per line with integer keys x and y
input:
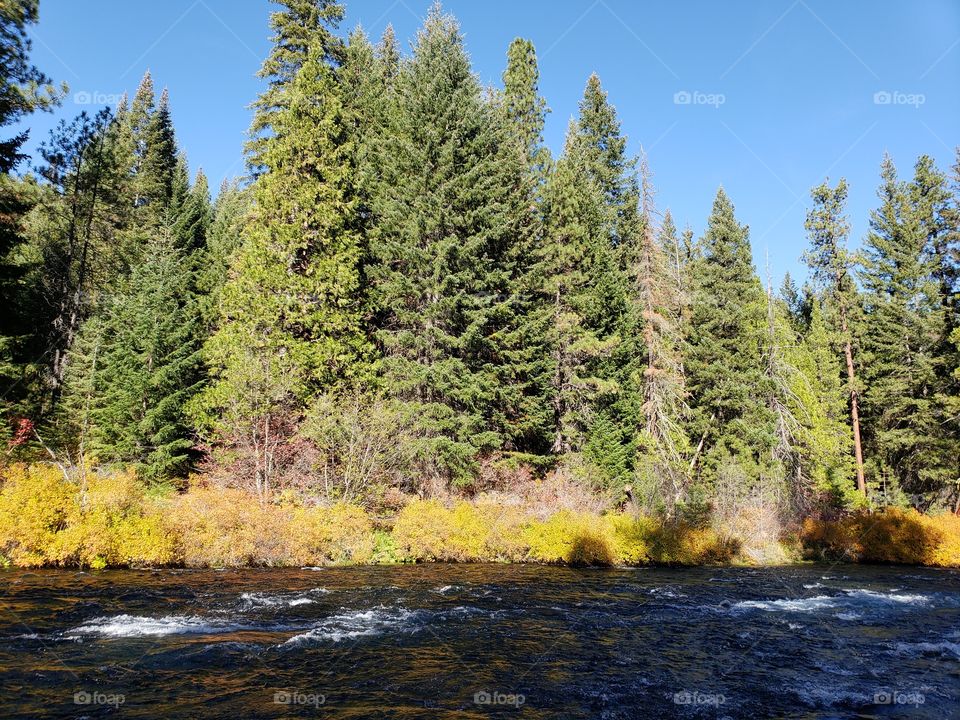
{"x": 475, "y": 641}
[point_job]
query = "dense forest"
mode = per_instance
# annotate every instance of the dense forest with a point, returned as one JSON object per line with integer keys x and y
{"x": 408, "y": 294}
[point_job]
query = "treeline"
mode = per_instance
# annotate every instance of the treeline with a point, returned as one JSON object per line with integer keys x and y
{"x": 410, "y": 292}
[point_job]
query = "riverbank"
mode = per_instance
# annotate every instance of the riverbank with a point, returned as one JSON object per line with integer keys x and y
{"x": 49, "y": 519}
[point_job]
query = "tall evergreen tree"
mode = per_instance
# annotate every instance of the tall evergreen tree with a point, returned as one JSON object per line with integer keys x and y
{"x": 726, "y": 374}
{"x": 292, "y": 305}
{"x": 831, "y": 264}
{"x": 525, "y": 108}
{"x": 903, "y": 342}
{"x": 23, "y": 89}
{"x": 445, "y": 219}
{"x": 575, "y": 245}
{"x": 137, "y": 367}
{"x": 301, "y": 25}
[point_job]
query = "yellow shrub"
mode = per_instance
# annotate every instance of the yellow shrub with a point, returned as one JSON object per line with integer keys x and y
{"x": 504, "y": 527}
{"x": 683, "y": 544}
{"x": 574, "y": 538}
{"x": 222, "y": 527}
{"x": 946, "y": 553}
{"x": 890, "y": 536}
{"x": 338, "y": 534}
{"x": 34, "y": 504}
{"x": 422, "y": 530}
{"x": 112, "y": 524}
{"x": 631, "y": 537}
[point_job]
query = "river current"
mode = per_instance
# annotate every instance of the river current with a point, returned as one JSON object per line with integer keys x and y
{"x": 475, "y": 641}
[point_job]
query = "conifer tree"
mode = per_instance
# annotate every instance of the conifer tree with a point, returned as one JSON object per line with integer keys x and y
{"x": 575, "y": 245}
{"x": 290, "y": 320}
{"x": 605, "y": 155}
{"x": 301, "y": 25}
{"x": 228, "y": 220}
{"x": 830, "y": 263}
{"x": 23, "y": 89}
{"x": 524, "y": 107}
{"x": 729, "y": 387}
{"x": 818, "y": 399}
{"x": 440, "y": 249}
{"x": 653, "y": 396}
{"x": 901, "y": 342}
{"x": 137, "y": 366}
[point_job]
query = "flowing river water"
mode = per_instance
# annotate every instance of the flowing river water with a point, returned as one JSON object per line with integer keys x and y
{"x": 475, "y": 641}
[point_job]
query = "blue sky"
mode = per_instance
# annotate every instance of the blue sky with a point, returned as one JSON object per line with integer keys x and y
{"x": 767, "y": 98}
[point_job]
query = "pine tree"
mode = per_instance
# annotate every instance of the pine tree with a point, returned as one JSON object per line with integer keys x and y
{"x": 229, "y": 215}
{"x": 290, "y": 320}
{"x": 24, "y": 89}
{"x": 522, "y": 410}
{"x": 300, "y": 26}
{"x": 654, "y": 395}
{"x": 191, "y": 218}
{"x": 440, "y": 248}
{"x": 575, "y": 245}
{"x": 605, "y": 155}
{"x": 137, "y": 366}
{"x": 905, "y": 320}
{"x": 157, "y": 171}
{"x": 726, "y": 374}
{"x": 830, "y": 263}
{"x": 817, "y": 398}
{"x": 80, "y": 219}
{"x": 524, "y": 107}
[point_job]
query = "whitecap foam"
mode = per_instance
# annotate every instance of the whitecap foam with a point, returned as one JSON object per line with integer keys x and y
{"x": 142, "y": 626}
{"x": 359, "y": 623}
{"x": 855, "y": 598}
{"x": 251, "y": 600}
{"x": 446, "y": 588}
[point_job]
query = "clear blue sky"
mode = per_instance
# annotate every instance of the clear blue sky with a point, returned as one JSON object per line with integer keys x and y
{"x": 798, "y": 80}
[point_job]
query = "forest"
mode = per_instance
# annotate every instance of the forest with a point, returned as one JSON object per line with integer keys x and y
{"x": 410, "y": 331}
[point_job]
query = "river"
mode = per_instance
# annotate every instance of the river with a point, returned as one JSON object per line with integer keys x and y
{"x": 475, "y": 641}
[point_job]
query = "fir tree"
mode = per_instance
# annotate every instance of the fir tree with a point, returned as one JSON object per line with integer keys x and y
{"x": 301, "y": 26}
{"x": 904, "y": 321}
{"x": 575, "y": 245}
{"x": 292, "y": 305}
{"x": 524, "y": 107}
{"x": 138, "y": 366}
{"x": 440, "y": 247}
{"x": 729, "y": 387}
{"x": 830, "y": 263}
